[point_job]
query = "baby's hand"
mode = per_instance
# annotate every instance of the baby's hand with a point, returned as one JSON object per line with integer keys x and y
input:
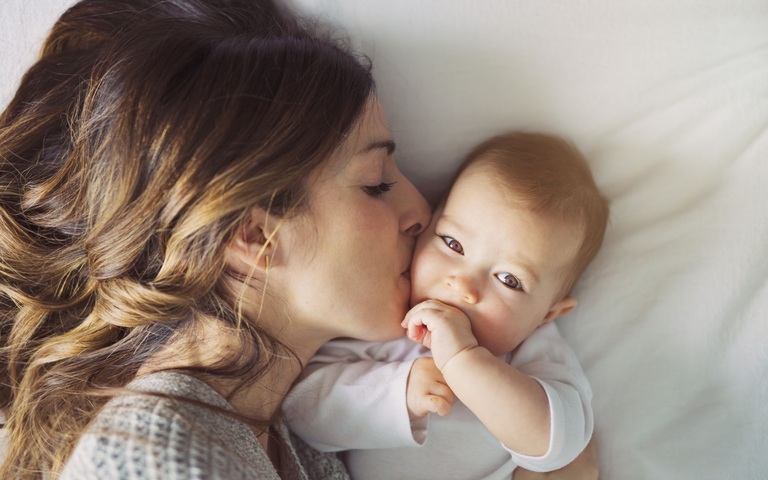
{"x": 427, "y": 391}
{"x": 442, "y": 328}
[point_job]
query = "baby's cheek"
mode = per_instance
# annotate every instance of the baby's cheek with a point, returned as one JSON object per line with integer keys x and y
{"x": 420, "y": 278}
{"x": 494, "y": 329}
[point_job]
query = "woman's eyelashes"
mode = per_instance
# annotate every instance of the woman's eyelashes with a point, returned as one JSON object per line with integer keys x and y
{"x": 378, "y": 190}
{"x": 452, "y": 243}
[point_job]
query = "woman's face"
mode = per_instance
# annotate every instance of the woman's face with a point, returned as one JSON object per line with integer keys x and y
{"x": 346, "y": 259}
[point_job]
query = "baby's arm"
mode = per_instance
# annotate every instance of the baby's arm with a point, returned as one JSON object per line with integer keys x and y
{"x": 547, "y": 357}
{"x": 352, "y": 395}
{"x": 511, "y": 404}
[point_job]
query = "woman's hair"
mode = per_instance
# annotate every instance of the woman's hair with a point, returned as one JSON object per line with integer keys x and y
{"x": 549, "y": 176}
{"x": 131, "y": 153}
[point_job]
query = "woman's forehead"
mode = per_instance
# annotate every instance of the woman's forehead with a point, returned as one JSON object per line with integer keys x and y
{"x": 369, "y": 132}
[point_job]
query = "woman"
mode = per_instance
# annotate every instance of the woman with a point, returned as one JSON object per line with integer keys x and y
{"x": 196, "y": 194}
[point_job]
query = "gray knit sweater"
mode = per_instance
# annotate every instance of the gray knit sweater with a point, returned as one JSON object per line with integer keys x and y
{"x": 144, "y": 437}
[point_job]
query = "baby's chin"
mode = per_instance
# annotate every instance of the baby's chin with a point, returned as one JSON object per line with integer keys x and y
{"x": 496, "y": 349}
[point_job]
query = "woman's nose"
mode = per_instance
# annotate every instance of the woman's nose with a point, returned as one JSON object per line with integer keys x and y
{"x": 415, "y": 217}
{"x": 463, "y": 287}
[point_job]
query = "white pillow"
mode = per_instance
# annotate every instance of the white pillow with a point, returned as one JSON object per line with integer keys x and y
{"x": 669, "y": 99}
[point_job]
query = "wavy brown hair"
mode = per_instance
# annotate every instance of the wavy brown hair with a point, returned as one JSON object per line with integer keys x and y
{"x": 131, "y": 153}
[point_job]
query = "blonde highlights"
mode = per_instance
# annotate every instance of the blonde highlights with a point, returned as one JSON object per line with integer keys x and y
{"x": 131, "y": 153}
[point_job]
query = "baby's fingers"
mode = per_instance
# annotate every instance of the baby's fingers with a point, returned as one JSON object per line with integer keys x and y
{"x": 415, "y": 329}
{"x": 443, "y": 391}
{"x": 439, "y": 405}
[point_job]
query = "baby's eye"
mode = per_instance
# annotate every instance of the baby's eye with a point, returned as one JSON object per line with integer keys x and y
{"x": 453, "y": 244}
{"x": 510, "y": 281}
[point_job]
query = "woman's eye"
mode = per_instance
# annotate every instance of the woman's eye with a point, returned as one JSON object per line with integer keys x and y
{"x": 378, "y": 190}
{"x": 453, "y": 244}
{"x": 510, "y": 281}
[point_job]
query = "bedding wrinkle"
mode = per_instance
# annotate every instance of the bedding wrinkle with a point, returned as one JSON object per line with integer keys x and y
{"x": 692, "y": 95}
{"x": 655, "y": 151}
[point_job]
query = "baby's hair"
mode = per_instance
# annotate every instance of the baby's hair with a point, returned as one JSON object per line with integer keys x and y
{"x": 548, "y": 176}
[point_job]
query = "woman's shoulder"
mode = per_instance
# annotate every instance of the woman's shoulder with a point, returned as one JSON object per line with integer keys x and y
{"x": 156, "y": 436}
{"x": 325, "y": 465}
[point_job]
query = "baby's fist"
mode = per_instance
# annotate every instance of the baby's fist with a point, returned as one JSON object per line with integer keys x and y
{"x": 427, "y": 391}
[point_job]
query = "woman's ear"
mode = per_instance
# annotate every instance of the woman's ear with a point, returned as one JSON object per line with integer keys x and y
{"x": 255, "y": 242}
{"x": 559, "y": 309}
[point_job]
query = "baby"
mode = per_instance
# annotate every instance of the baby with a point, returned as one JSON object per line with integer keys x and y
{"x": 505, "y": 246}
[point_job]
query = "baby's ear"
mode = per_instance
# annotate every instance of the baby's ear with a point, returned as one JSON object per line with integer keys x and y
{"x": 559, "y": 309}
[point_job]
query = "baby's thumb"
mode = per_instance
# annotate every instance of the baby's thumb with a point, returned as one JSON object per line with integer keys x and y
{"x": 438, "y": 405}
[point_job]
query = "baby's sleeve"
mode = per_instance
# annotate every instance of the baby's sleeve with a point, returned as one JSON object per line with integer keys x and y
{"x": 352, "y": 396}
{"x": 547, "y": 358}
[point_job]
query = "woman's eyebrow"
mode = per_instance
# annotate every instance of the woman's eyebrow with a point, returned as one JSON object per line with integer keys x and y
{"x": 388, "y": 145}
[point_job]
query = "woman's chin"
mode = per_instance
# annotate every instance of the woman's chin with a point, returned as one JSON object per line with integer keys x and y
{"x": 386, "y": 334}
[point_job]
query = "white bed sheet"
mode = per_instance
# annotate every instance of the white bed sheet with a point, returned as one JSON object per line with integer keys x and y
{"x": 669, "y": 99}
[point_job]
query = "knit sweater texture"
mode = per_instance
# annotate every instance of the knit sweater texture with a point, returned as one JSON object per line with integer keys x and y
{"x": 148, "y": 437}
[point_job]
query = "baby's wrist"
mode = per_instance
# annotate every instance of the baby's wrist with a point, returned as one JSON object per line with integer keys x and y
{"x": 461, "y": 353}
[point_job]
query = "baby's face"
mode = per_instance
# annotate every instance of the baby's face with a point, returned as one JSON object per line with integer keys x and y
{"x": 500, "y": 264}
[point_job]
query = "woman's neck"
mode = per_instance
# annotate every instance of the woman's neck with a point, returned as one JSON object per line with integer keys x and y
{"x": 213, "y": 343}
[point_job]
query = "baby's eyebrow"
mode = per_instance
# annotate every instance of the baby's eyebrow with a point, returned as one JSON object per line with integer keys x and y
{"x": 529, "y": 272}
{"x": 452, "y": 222}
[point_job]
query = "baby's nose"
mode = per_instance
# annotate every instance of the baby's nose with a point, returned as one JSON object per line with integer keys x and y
{"x": 464, "y": 288}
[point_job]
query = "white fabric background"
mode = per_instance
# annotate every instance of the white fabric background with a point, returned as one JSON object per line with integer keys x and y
{"x": 669, "y": 99}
